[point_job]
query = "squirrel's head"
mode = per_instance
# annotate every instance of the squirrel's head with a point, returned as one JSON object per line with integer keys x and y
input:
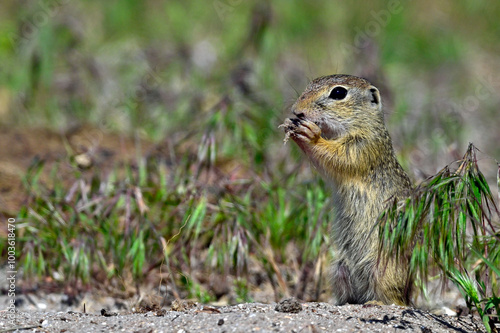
{"x": 340, "y": 104}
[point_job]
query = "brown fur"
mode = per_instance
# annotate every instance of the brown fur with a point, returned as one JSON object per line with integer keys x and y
{"x": 348, "y": 143}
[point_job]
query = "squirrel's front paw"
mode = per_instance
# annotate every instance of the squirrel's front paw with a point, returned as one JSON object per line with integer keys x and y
{"x": 301, "y": 130}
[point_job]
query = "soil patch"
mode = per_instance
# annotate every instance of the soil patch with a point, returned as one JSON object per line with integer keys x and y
{"x": 252, "y": 317}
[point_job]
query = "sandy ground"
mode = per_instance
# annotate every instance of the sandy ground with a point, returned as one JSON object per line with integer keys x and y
{"x": 286, "y": 316}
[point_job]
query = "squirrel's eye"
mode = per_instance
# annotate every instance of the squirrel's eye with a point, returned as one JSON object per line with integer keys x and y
{"x": 338, "y": 93}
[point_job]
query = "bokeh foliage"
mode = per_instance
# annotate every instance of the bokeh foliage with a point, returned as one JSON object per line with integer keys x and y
{"x": 209, "y": 82}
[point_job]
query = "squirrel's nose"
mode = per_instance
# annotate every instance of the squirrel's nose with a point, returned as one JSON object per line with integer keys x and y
{"x": 298, "y": 113}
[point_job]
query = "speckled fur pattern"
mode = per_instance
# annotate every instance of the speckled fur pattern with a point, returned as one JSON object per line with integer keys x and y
{"x": 347, "y": 142}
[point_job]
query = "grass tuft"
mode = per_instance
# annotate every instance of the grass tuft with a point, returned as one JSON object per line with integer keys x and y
{"x": 450, "y": 224}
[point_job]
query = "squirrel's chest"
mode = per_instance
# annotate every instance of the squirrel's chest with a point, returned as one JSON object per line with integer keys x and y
{"x": 358, "y": 204}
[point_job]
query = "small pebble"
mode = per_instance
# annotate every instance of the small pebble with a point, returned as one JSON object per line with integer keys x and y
{"x": 289, "y": 305}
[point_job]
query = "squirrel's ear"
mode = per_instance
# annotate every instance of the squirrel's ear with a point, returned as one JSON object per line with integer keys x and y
{"x": 375, "y": 97}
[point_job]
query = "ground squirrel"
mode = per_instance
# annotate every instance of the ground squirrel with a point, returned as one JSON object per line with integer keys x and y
{"x": 339, "y": 125}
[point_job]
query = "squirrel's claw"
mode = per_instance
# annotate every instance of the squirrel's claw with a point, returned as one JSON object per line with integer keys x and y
{"x": 301, "y": 130}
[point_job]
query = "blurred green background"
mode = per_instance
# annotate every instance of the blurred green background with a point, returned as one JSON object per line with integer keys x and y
{"x": 207, "y": 83}
{"x": 153, "y": 66}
